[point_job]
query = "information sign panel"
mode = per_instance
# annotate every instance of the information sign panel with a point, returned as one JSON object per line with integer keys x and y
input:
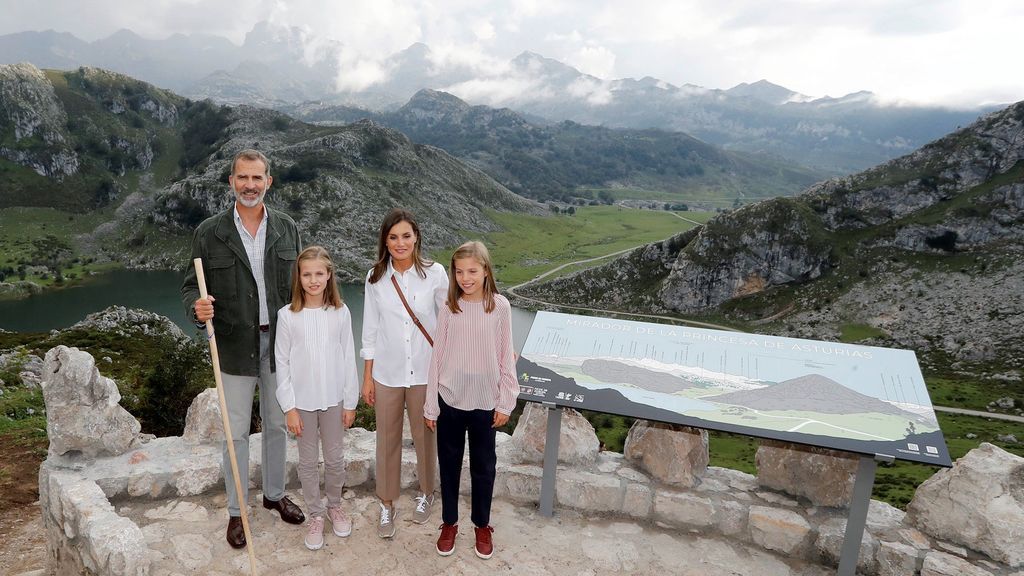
{"x": 859, "y": 399}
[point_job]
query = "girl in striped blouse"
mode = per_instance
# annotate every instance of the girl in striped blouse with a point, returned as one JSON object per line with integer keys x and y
{"x": 471, "y": 388}
{"x": 317, "y": 385}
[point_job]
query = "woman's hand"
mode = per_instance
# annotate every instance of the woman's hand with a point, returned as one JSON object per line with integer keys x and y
{"x": 368, "y": 391}
{"x": 293, "y": 422}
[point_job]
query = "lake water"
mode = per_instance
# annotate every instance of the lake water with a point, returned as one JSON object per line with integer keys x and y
{"x": 156, "y": 291}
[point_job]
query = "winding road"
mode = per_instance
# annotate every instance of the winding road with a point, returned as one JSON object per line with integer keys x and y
{"x": 512, "y": 290}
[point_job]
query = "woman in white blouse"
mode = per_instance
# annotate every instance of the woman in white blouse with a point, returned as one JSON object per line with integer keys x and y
{"x": 396, "y": 353}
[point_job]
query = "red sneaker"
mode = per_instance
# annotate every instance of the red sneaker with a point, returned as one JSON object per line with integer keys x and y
{"x": 484, "y": 546}
{"x": 446, "y": 542}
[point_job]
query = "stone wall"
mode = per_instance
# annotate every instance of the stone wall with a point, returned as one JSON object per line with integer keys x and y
{"x": 86, "y": 536}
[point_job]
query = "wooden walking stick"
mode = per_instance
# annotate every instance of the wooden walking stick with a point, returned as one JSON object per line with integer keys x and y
{"x": 215, "y": 357}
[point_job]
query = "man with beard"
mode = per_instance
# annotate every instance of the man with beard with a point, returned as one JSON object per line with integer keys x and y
{"x": 248, "y": 253}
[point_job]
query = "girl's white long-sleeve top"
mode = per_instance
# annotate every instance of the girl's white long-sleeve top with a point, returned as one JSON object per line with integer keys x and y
{"x": 400, "y": 353}
{"x": 316, "y": 359}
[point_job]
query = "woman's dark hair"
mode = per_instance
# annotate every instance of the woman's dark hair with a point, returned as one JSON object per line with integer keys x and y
{"x": 396, "y": 216}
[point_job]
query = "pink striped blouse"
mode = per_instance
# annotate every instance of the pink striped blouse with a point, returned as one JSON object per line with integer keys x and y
{"x": 472, "y": 366}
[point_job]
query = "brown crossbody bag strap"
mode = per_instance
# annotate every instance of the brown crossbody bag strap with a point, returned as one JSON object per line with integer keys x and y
{"x": 408, "y": 309}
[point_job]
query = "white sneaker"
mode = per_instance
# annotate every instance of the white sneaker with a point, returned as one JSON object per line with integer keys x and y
{"x": 315, "y": 534}
{"x": 386, "y": 528}
{"x": 340, "y": 522}
{"x": 424, "y": 503}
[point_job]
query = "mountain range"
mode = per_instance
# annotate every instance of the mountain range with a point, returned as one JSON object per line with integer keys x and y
{"x": 150, "y": 165}
{"x": 922, "y": 252}
{"x": 568, "y": 161}
{"x": 284, "y": 66}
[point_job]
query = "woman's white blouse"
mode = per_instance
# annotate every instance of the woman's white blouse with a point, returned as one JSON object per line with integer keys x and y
{"x": 316, "y": 359}
{"x": 400, "y": 353}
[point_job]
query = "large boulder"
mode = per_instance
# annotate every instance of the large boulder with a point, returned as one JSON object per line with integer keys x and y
{"x": 82, "y": 410}
{"x": 676, "y": 455}
{"x": 577, "y": 442}
{"x": 978, "y": 503}
{"x": 203, "y": 423}
{"x": 825, "y": 477}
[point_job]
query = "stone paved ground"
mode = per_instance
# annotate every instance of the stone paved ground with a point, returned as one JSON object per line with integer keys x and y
{"x": 187, "y": 536}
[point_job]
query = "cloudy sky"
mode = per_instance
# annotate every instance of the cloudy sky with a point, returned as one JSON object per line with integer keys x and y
{"x": 952, "y": 52}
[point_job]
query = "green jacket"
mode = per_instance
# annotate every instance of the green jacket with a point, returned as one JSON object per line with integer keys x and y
{"x": 229, "y": 280}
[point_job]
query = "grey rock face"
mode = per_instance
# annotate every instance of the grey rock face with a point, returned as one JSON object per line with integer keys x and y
{"x": 978, "y": 503}
{"x": 125, "y": 321}
{"x": 82, "y": 410}
{"x": 896, "y": 559}
{"x": 942, "y": 564}
{"x": 781, "y": 530}
{"x": 27, "y": 101}
{"x": 675, "y": 455}
{"x": 745, "y": 252}
{"x": 203, "y": 423}
{"x": 577, "y": 443}
{"x": 825, "y": 477}
{"x": 935, "y": 172}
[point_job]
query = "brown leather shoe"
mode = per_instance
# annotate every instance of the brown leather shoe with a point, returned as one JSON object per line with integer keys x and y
{"x": 236, "y": 534}
{"x": 289, "y": 512}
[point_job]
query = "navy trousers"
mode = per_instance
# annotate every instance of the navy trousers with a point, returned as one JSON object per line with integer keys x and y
{"x": 453, "y": 425}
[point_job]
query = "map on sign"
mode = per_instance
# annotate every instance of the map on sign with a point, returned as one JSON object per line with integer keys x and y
{"x": 860, "y": 399}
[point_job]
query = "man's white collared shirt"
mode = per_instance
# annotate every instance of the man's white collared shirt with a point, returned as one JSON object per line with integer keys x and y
{"x": 254, "y": 249}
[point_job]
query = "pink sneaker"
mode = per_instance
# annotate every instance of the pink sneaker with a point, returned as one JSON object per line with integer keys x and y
{"x": 340, "y": 521}
{"x": 315, "y": 533}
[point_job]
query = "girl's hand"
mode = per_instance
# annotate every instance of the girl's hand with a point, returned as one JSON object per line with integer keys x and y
{"x": 293, "y": 422}
{"x": 348, "y": 417}
{"x": 499, "y": 419}
{"x": 430, "y": 424}
{"x": 368, "y": 392}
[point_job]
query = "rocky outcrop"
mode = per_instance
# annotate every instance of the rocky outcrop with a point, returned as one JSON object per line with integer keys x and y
{"x": 82, "y": 411}
{"x": 128, "y": 321}
{"x": 29, "y": 105}
{"x": 203, "y": 423}
{"x": 577, "y": 442}
{"x": 979, "y": 503}
{"x": 19, "y": 289}
{"x": 745, "y": 252}
{"x": 110, "y": 88}
{"x": 672, "y": 454}
{"x": 825, "y": 477}
{"x": 339, "y": 184}
{"x": 992, "y": 217}
{"x": 937, "y": 171}
{"x": 629, "y": 282}
{"x": 930, "y": 310}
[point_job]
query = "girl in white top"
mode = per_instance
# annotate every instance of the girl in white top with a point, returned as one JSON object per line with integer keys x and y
{"x": 471, "y": 390}
{"x": 317, "y": 385}
{"x": 396, "y": 354}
